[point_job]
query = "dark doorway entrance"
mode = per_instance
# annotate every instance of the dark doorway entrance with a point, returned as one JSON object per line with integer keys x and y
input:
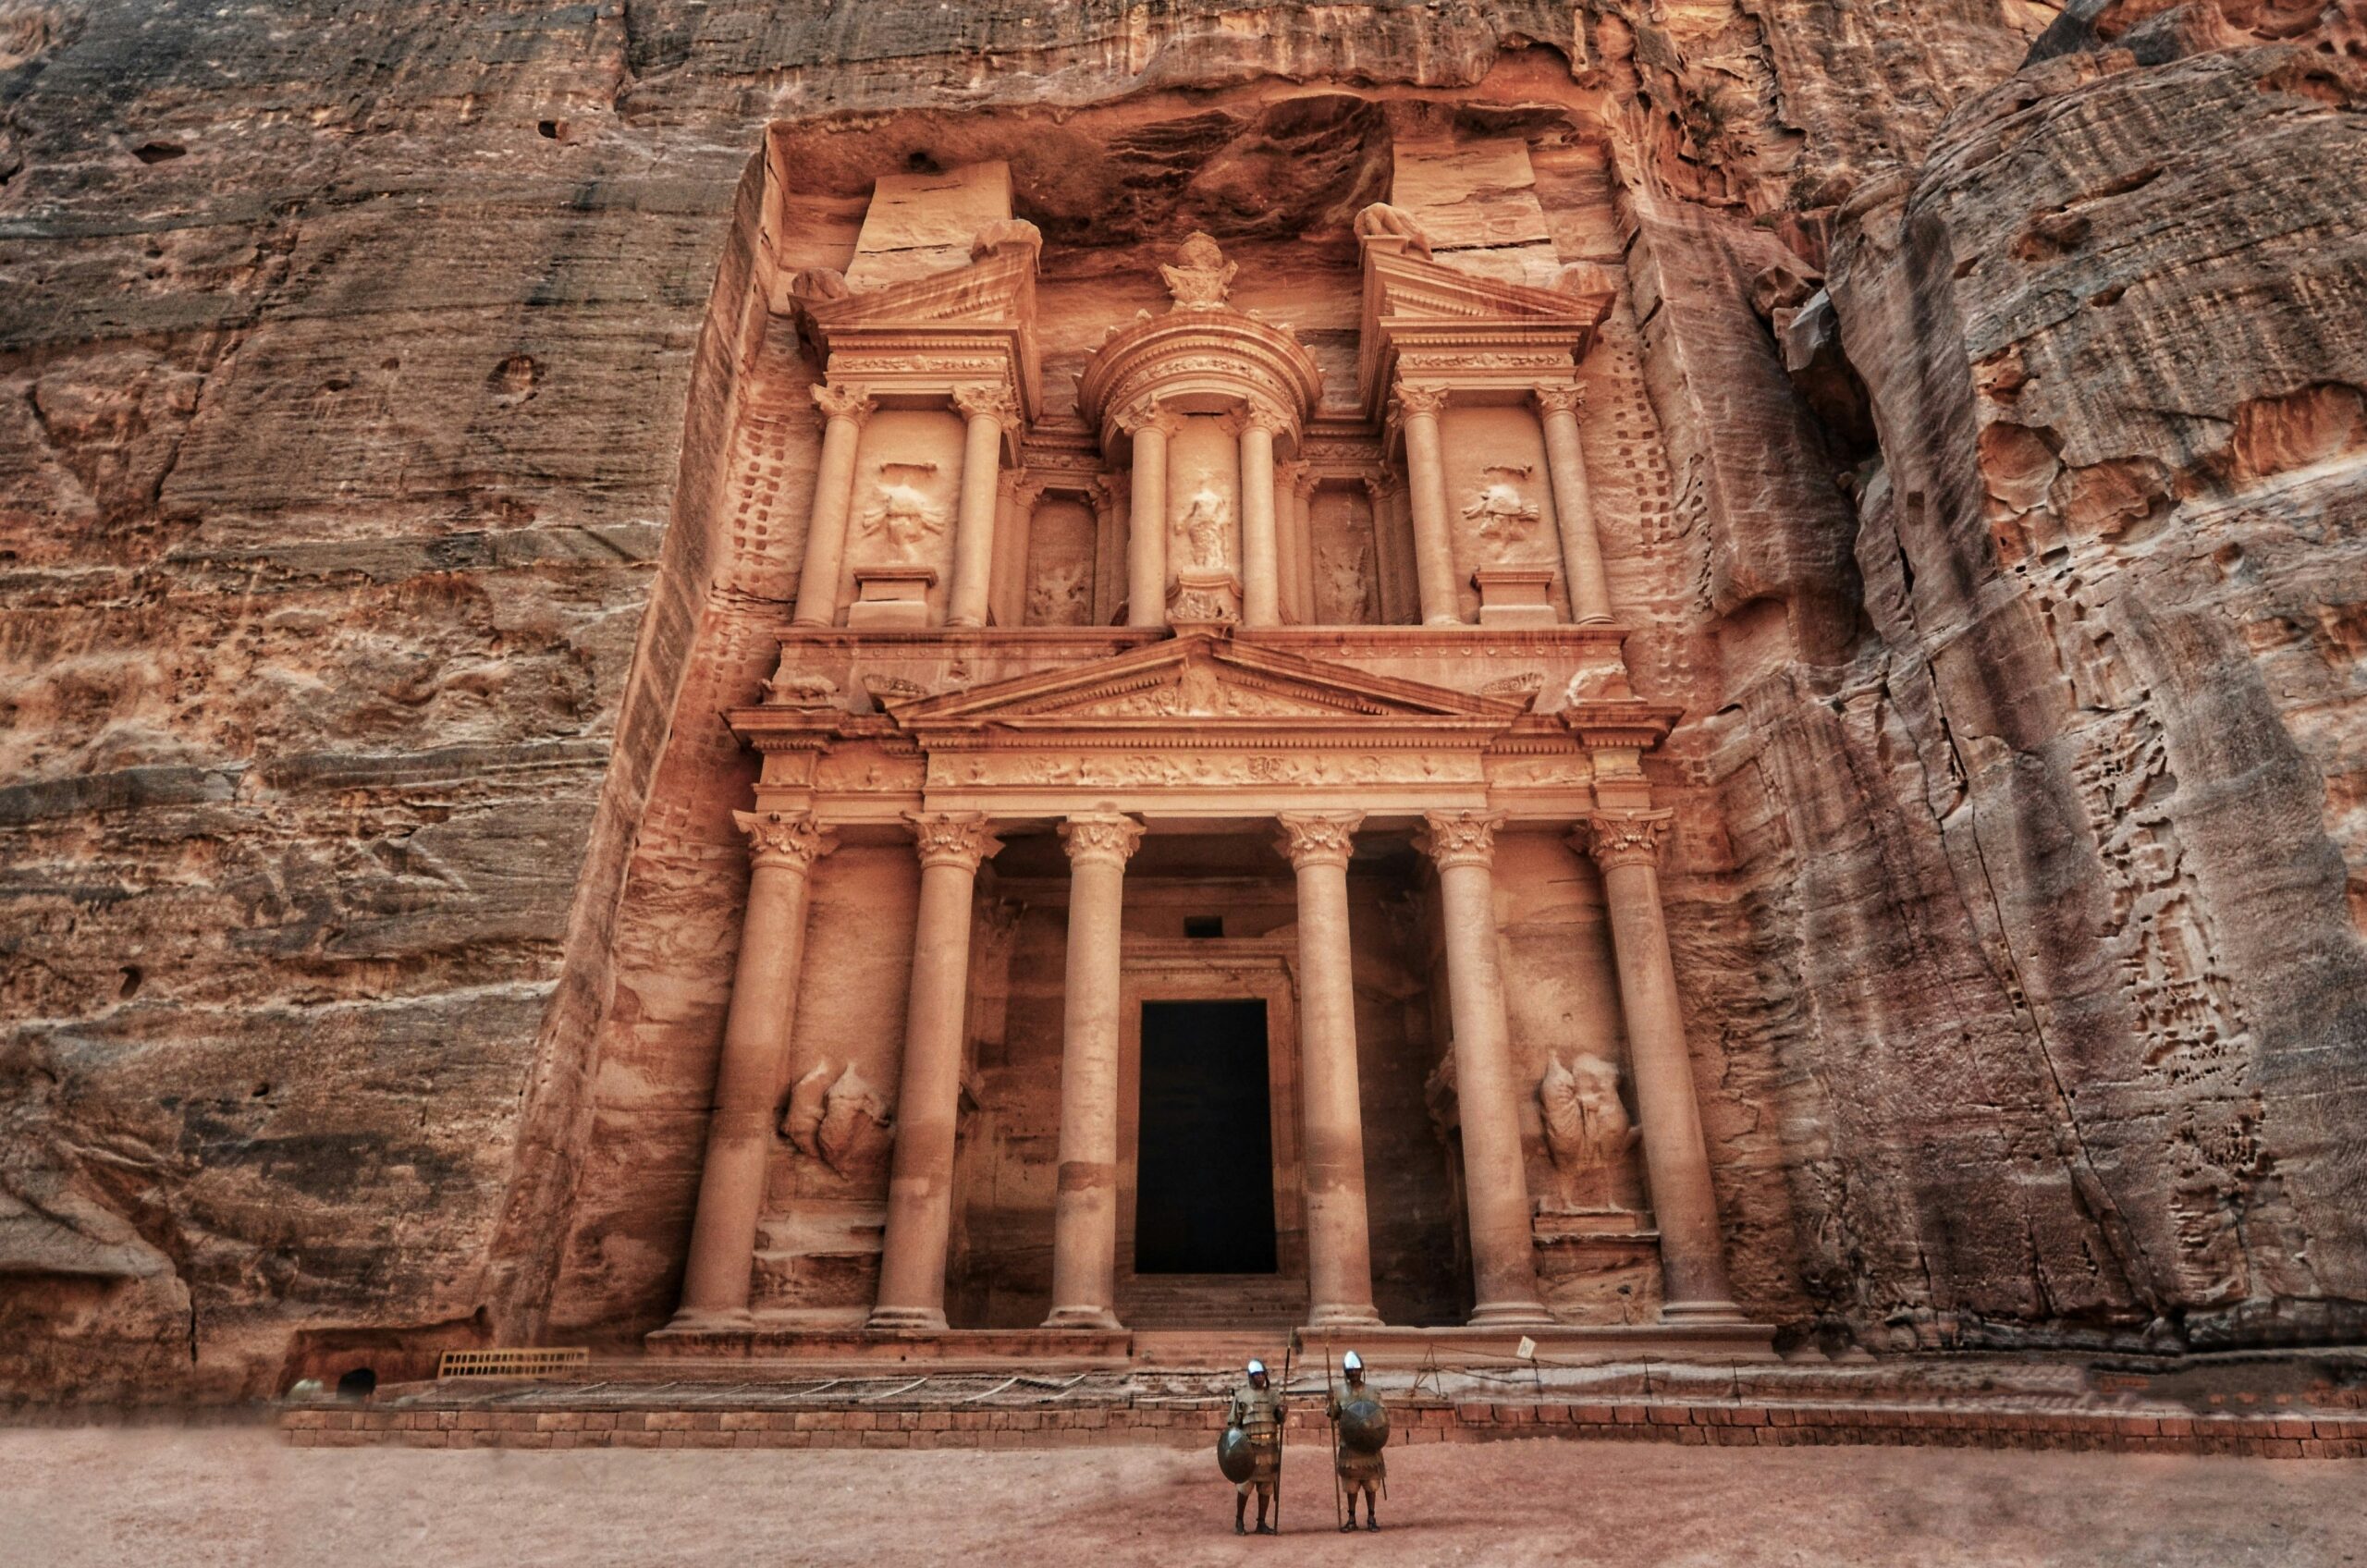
{"x": 1204, "y": 1170}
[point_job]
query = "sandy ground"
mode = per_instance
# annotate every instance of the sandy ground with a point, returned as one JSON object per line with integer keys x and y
{"x": 164, "y": 1499}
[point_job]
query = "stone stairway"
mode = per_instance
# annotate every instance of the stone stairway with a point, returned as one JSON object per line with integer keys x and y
{"x": 1266, "y": 1302}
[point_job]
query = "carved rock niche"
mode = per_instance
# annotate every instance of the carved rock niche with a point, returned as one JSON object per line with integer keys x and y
{"x": 1500, "y": 496}
{"x": 1204, "y": 497}
{"x": 1345, "y": 557}
{"x": 1062, "y": 536}
{"x": 908, "y": 474}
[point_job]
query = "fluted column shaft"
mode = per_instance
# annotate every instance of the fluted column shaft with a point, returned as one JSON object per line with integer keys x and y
{"x": 1261, "y": 566}
{"x": 1338, "y": 1242}
{"x": 748, "y": 1079}
{"x": 1085, "y": 1213}
{"x": 987, "y": 408}
{"x": 1495, "y": 1180}
{"x": 1626, "y": 846}
{"x": 1573, "y": 504}
{"x": 1419, "y": 409}
{"x": 1146, "y": 524}
{"x": 928, "y": 1099}
{"x": 844, "y": 410}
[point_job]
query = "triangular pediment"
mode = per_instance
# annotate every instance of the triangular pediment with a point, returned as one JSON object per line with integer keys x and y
{"x": 1408, "y": 289}
{"x": 1202, "y": 680}
{"x": 997, "y": 291}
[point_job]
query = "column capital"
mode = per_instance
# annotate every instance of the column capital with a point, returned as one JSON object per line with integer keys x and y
{"x": 1381, "y": 485}
{"x": 1625, "y": 838}
{"x": 1567, "y": 398}
{"x": 1459, "y": 837}
{"x": 838, "y": 400}
{"x": 1147, "y": 415}
{"x": 1266, "y": 417}
{"x": 953, "y": 838}
{"x": 1105, "y": 492}
{"x": 1310, "y": 838}
{"x": 793, "y": 840}
{"x": 986, "y": 401}
{"x": 1413, "y": 397}
{"x": 1108, "y": 837}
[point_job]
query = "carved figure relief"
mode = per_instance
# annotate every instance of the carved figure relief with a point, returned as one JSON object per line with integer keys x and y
{"x": 1383, "y": 221}
{"x": 1207, "y": 521}
{"x": 900, "y": 511}
{"x": 836, "y": 1116}
{"x": 801, "y": 690}
{"x": 1201, "y": 277}
{"x": 1347, "y": 584}
{"x": 1503, "y": 515}
{"x": 1060, "y": 597}
{"x": 1588, "y": 1131}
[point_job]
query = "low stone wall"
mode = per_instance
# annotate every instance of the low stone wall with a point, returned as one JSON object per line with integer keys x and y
{"x": 2303, "y": 1435}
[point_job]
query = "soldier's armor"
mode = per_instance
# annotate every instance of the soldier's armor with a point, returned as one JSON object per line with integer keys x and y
{"x": 1356, "y": 1466}
{"x": 1258, "y": 1412}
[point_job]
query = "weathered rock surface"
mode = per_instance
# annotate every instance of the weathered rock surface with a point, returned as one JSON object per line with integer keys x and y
{"x": 370, "y": 593}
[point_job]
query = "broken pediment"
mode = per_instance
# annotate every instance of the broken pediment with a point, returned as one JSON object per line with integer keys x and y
{"x": 1458, "y": 327}
{"x": 1206, "y": 677}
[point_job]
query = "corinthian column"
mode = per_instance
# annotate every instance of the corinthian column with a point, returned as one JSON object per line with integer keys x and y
{"x": 1085, "y": 1214}
{"x": 1573, "y": 505}
{"x": 1626, "y": 845}
{"x": 928, "y": 1101}
{"x": 988, "y": 410}
{"x": 1495, "y": 1182}
{"x": 1146, "y": 519}
{"x": 756, "y": 1052}
{"x": 1260, "y": 564}
{"x": 1339, "y": 1264}
{"x": 1417, "y": 413}
{"x": 844, "y": 408}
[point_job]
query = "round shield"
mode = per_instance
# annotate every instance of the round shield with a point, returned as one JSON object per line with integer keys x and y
{"x": 1233, "y": 1457}
{"x": 1363, "y": 1426}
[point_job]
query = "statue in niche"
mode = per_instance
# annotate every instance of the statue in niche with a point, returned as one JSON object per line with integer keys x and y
{"x": 1351, "y": 585}
{"x": 1201, "y": 277}
{"x": 1058, "y": 598}
{"x": 900, "y": 510}
{"x": 1588, "y": 1132}
{"x": 1207, "y": 522}
{"x": 1503, "y": 516}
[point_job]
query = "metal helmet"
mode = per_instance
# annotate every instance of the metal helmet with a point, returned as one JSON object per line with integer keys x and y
{"x": 1256, "y": 1367}
{"x": 1352, "y": 1362}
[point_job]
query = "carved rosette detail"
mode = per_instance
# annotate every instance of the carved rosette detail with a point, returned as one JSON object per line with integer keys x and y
{"x": 1565, "y": 399}
{"x": 1318, "y": 839}
{"x": 1459, "y": 837}
{"x": 1413, "y": 399}
{"x": 1108, "y": 837}
{"x": 1627, "y": 838}
{"x": 839, "y": 401}
{"x": 783, "y": 838}
{"x": 951, "y": 837}
{"x": 989, "y": 402}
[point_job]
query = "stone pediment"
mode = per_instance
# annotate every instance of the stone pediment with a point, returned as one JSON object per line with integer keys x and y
{"x": 1205, "y": 680}
{"x": 968, "y": 326}
{"x": 1440, "y": 324}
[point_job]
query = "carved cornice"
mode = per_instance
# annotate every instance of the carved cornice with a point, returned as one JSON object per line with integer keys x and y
{"x": 951, "y": 837}
{"x": 988, "y": 401}
{"x": 1459, "y": 837}
{"x": 1626, "y": 838}
{"x": 1106, "y": 838}
{"x": 1217, "y": 355}
{"x": 1318, "y": 838}
{"x": 838, "y": 400}
{"x": 1559, "y": 399}
{"x": 780, "y": 839}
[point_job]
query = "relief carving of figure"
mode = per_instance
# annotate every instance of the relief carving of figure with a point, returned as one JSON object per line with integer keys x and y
{"x": 1201, "y": 277}
{"x": 1350, "y": 583}
{"x": 1587, "y": 1128}
{"x": 801, "y": 690}
{"x": 900, "y": 511}
{"x": 1058, "y": 598}
{"x": 1207, "y": 522}
{"x": 834, "y": 1116}
{"x": 1503, "y": 516}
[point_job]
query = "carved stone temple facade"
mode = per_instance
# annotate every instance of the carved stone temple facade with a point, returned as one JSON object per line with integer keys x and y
{"x": 1204, "y": 862}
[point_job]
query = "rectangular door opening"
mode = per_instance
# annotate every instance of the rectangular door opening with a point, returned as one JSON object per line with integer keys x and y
{"x": 1204, "y": 1169}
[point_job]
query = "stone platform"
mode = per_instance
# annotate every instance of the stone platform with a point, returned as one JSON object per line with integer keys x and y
{"x": 2313, "y": 1407}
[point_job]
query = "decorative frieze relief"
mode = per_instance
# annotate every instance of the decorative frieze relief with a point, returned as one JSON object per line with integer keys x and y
{"x": 1503, "y": 515}
{"x": 1188, "y": 770}
{"x": 900, "y": 511}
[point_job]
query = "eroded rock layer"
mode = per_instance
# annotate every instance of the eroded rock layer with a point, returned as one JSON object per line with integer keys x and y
{"x": 394, "y": 486}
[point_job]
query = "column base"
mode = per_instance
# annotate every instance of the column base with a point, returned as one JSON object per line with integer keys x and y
{"x": 705, "y": 1321}
{"x": 1700, "y": 1312}
{"x": 1513, "y": 1315}
{"x": 1082, "y": 1318}
{"x": 1454, "y": 620}
{"x": 1595, "y": 620}
{"x": 1344, "y": 1317}
{"x": 927, "y": 1319}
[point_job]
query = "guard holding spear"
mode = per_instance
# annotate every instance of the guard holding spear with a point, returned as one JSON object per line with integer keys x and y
{"x": 1359, "y": 1430}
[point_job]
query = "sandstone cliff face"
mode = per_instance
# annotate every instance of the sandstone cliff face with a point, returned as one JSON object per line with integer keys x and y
{"x": 371, "y": 591}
